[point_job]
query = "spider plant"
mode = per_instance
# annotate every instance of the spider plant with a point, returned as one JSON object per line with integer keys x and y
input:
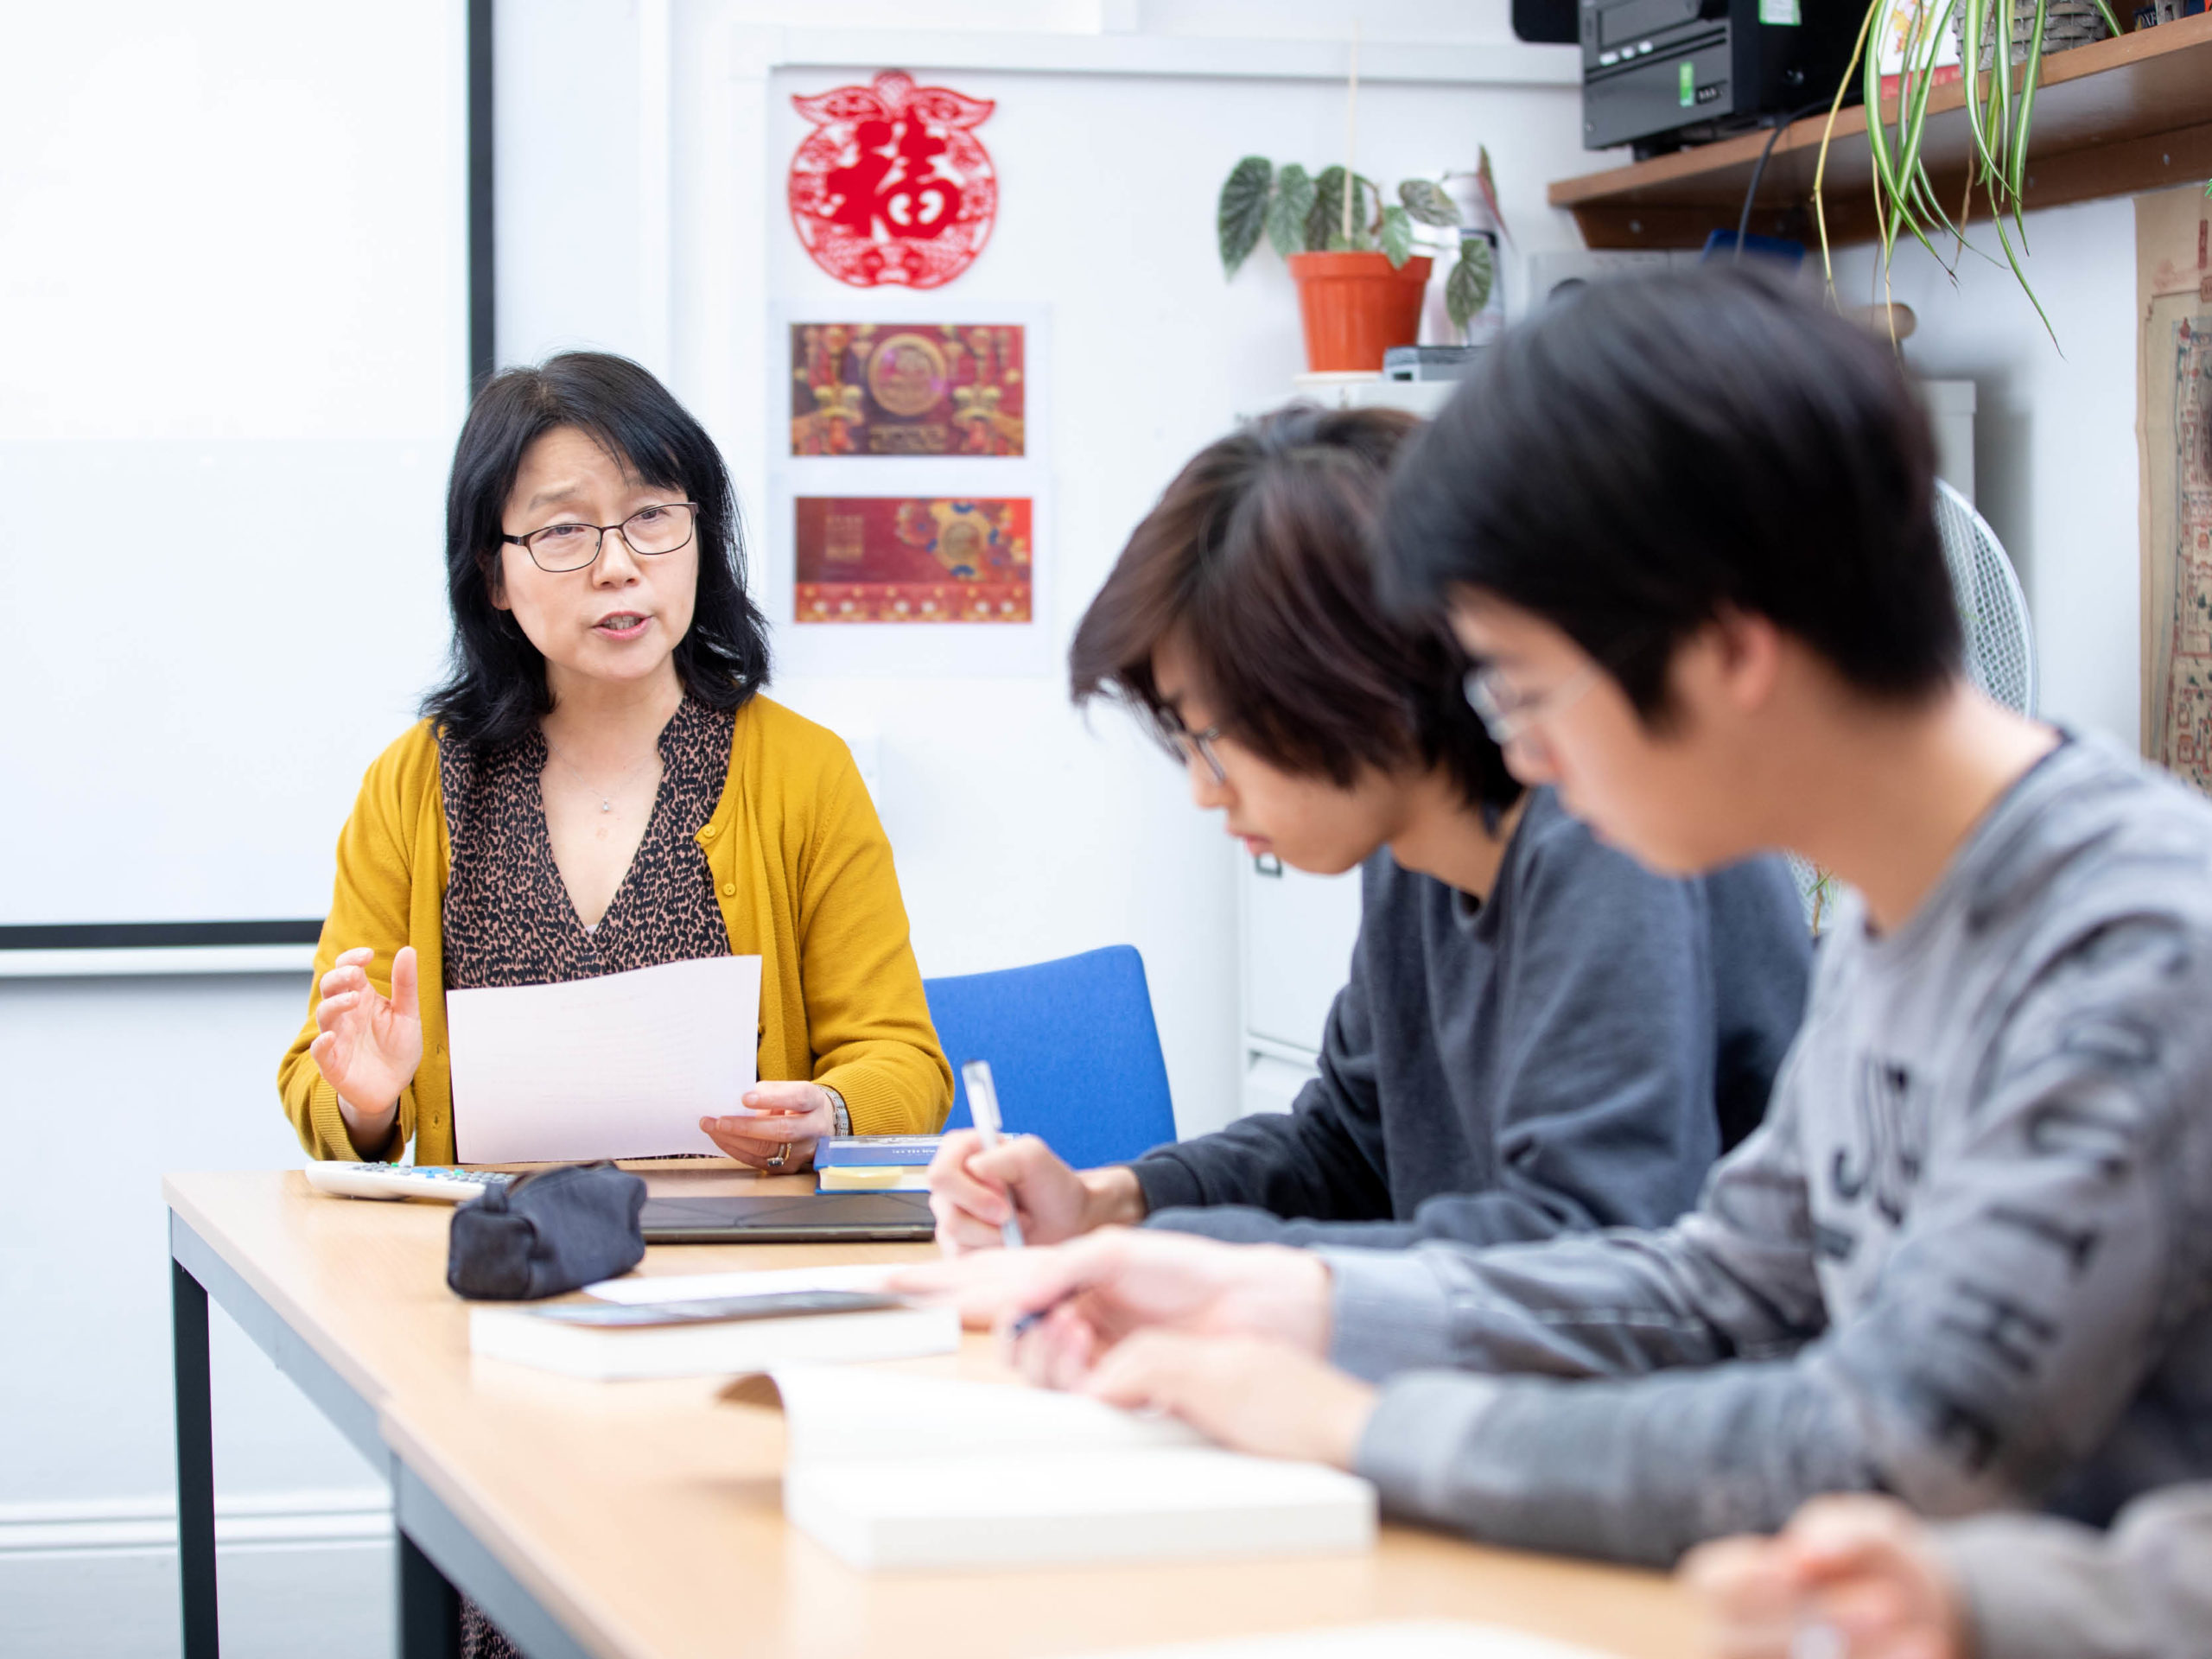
{"x": 2000, "y": 104}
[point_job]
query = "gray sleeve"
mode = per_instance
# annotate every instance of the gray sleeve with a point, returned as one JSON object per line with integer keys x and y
{"x": 1243, "y": 1225}
{"x": 2062, "y": 1227}
{"x": 2037, "y": 1588}
{"x": 1324, "y": 1158}
{"x": 1734, "y": 1279}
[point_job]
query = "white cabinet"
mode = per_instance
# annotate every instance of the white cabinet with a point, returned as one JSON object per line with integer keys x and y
{"x": 1297, "y": 933}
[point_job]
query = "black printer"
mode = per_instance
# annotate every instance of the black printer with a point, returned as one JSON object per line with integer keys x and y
{"x": 1661, "y": 74}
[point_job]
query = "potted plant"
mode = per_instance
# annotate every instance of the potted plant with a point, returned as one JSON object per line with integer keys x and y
{"x": 1351, "y": 253}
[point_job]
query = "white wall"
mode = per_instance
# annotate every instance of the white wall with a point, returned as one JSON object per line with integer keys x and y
{"x": 232, "y": 297}
{"x": 230, "y": 294}
{"x": 2055, "y": 455}
{"x": 108, "y": 1083}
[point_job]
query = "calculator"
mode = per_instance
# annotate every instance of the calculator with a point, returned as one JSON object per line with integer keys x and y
{"x": 443, "y": 1183}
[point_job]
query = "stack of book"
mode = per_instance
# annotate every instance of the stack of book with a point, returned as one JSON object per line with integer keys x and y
{"x": 876, "y": 1163}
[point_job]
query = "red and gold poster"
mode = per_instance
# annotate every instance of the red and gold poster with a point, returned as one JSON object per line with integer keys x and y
{"x": 867, "y": 389}
{"x": 911, "y": 559}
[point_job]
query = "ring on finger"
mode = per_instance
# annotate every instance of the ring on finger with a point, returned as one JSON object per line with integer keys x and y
{"x": 782, "y": 1156}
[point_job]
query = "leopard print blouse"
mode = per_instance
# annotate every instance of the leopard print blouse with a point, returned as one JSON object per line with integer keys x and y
{"x": 507, "y": 916}
{"x": 508, "y": 919}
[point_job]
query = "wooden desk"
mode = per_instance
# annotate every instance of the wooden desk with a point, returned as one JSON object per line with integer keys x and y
{"x": 636, "y": 1519}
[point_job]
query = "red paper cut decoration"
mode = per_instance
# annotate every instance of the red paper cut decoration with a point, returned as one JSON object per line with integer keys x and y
{"x": 892, "y": 185}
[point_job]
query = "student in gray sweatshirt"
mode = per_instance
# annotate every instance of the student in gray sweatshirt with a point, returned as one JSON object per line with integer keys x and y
{"x": 1539, "y": 1035}
{"x": 1684, "y": 526}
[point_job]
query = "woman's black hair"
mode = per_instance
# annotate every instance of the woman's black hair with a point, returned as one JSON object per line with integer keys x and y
{"x": 1636, "y": 459}
{"x": 1260, "y": 560}
{"x": 495, "y": 689}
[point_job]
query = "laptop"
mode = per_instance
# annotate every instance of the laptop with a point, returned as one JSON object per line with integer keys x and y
{"x": 811, "y": 1218}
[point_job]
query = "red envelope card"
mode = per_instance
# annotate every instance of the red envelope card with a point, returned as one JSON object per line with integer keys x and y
{"x": 865, "y": 389}
{"x": 911, "y": 559}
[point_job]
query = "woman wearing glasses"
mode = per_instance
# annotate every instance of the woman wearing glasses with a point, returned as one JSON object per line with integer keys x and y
{"x": 598, "y": 787}
{"x": 1538, "y": 1036}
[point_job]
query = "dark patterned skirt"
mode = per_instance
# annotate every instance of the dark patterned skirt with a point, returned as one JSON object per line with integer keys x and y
{"x": 480, "y": 1638}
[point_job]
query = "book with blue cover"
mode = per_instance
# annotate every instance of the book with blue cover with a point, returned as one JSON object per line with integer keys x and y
{"x": 849, "y": 1151}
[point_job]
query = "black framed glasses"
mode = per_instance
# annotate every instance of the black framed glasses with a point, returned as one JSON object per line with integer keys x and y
{"x": 1198, "y": 747}
{"x": 648, "y": 532}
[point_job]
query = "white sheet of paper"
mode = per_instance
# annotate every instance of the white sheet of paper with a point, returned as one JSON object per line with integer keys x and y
{"x": 624, "y": 1065}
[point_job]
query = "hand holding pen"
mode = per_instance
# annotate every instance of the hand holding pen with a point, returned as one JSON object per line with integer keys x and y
{"x": 984, "y": 1106}
{"x": 1080, "y": 1298}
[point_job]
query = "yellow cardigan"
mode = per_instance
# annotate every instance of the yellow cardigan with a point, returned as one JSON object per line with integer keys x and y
{"x": 804, "y": 875}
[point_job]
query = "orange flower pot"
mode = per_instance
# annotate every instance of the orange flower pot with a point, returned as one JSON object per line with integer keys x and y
{"x": 1355, "y": 308}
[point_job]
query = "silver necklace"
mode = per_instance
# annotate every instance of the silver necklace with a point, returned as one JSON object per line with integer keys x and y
{"x": 605, "y": 800}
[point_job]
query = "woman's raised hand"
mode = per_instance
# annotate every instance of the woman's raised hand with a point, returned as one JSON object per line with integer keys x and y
{"x": 368, "y": 1044}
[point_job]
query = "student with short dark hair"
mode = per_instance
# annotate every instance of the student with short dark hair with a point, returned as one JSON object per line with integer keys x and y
{"x": 1538, "y": 1036}
{"x": 1684, "y": 526}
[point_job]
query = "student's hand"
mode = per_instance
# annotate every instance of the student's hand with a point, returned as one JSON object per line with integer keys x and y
{"x": 973, "y": 1192}
{"x": 799, "y": 1113}
{"x": 1109, "y": 1284}
{"x": 1245, "y": 1393}
{"x": 1862, "y": 1568}
{"x": 366, "y": 1045}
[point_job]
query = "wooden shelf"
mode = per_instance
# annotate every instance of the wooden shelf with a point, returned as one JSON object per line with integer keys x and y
{"x": 2115, "y": 118}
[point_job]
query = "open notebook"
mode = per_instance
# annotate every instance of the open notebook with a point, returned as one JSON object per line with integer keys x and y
{"x": 895, "y": 1472}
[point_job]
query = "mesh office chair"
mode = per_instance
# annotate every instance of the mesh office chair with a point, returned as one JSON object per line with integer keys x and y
{"x": 1072, "y": 1048}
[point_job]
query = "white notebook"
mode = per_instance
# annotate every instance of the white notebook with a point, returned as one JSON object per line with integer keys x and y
{"x": 733, "y": 1348}
{"x": 892, "y": 1471}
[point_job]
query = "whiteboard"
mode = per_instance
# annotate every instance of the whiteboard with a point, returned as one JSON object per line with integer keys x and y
{"x": 233, "y": 291}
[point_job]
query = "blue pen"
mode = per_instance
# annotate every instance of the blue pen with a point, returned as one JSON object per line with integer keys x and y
{"x": 984, "y": 1106}
{"x": 1036, "y": 1316}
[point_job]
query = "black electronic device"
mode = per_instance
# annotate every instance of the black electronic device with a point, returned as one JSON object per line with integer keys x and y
{"x": 1659, "y": 74}
{"x": 1550, "y": 22}
{"x": 809, "y": 1219}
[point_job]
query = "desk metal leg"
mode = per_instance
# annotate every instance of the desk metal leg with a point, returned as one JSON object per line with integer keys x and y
{"x": 429, "y": 1607}
{"x": 195, "y": 1464}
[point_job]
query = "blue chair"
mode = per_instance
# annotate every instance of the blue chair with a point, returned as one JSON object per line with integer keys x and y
{"x": 1072, "y": 1048}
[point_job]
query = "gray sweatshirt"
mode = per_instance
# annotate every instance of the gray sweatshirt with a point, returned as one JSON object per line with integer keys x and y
{"x": 1564, "y": 1057}
{"x": 2037, "y": 1588}
{"x": 1967, "y": 1259}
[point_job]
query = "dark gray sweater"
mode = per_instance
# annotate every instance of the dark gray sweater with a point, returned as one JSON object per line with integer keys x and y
{"x": 1561, "y": 1059}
